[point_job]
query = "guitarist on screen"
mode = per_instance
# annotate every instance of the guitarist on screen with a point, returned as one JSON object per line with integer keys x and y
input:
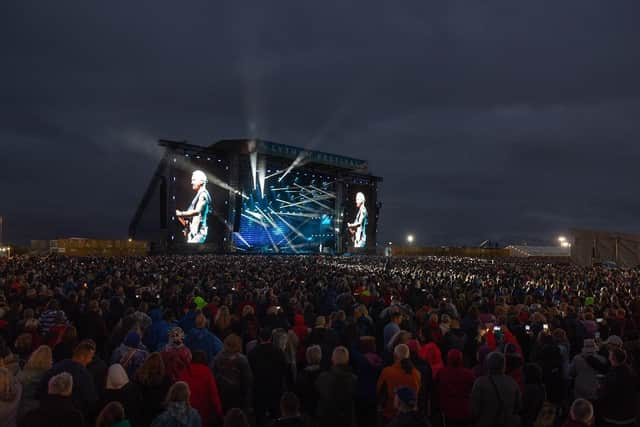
{"x": 358, "y": 228}
{"x": 194, "y": 219}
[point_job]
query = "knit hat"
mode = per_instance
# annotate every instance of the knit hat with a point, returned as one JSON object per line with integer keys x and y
{"x": 589, "y": 346}
{"x": 406, "y": 395}
{"x": 116, "y": 377}
{"x": 132, "y": 339}
{"x": 199, "y": 302}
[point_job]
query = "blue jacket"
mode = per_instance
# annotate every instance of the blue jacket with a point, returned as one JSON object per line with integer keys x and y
{"x": 203, "y": 340}
{"x": 188, "y": 321}
{"x": 156, "y": 336}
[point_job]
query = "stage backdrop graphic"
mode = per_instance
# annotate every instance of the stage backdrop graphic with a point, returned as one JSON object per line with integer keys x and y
{"x": 294, "y": 214}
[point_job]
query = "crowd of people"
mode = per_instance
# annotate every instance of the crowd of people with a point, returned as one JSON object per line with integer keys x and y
{"x": 294, "y": 341}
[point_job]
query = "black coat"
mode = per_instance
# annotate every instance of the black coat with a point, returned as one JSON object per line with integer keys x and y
{"x": 84, "y": 393}
{"x": 131, "y": 399}
{"x": 269, "y": 368}
{"x": 54, "y": 411}
{"x": 153, "y": 397}
{"x": 336, "y": 391}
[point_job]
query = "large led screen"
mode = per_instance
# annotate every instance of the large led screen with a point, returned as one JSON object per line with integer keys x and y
{"x": 359, "y": 218}
{"x": 200, "y": 201}
{"x": 288, "y": 213}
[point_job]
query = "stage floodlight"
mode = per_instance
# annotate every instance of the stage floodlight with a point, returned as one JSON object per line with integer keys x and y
{"x": 410, "y": 238}
{"x": 562, "y": 239}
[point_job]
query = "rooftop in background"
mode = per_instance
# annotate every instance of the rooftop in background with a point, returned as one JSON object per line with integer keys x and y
{"x": 538, "y": 251}
{"x": 246, "y": 146}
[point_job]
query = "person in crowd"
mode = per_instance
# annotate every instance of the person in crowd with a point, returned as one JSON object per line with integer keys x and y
{"x": 84, "y": 392}
{"x": 407, "y": 414}
{"x": 495, "y": 398}
{"x": 93, "y": 326}
{"x": 178, "y": 411}
{"x": 269, "y": 368}
{"x": 392, "y": 328}
{"x": 64, "y": 349}
{"x": 23, "y": 346}
{"x": 204, "y": 396}
{"x": 153, "y": 383}
{"x": 616, "y": 402}
{"x": 336, "y": 392}
{"x": 302, "y": 332}
{"x": 57, "y": 408}
{"x": 585, "y": 370}
{"x": 453, "y": 385}
{"x": 550, "y": 359}
{"x": 51, "y": 316}
{"x": 290, "y": 412}
{"x": 10, "y": 395}
{"x": 233, "y": 375}
{"x": 480, "y": 368}
{"x": 401, "y": 373}
{"x": 40, "y": 361}
{"x": 363, "y": 323}
{"x": 426, "y": 376}
{"x": 533, "y": 394}
{"x": 176, "y": 356}
{"x": 131, "y": 354}
{"x": 8, "y": 360}
{"x": 200, "y": 338}
{"x": 156, "y": 336}
{"x": 306, "y": 381}
{"x": 324, "y": 337}
{"x": 236, "y": 418}
{"x": 580, "y": 414}
{"x": 113, "y": 415}
{"x": 455, "y": 338}
{"x": 222, "y": 322}
{"x": 120, "y": 389}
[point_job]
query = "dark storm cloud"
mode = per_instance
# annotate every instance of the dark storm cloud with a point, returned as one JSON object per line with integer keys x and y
{"x": 502, "y": 120}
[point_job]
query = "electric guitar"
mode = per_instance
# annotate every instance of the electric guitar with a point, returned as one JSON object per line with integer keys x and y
{"x": 186, "y": 225}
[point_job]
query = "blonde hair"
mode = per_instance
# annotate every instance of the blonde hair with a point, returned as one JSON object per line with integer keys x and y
{"x": 152, "y": 371}
{"x": 40, "y": 359}
{"x": 179, "y": 392}
{"x": 223, "y": 318}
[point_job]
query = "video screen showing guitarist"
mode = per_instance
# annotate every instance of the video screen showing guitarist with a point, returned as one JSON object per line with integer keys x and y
{"x": 358, "y": 228}
{"x": 194, "y": 219}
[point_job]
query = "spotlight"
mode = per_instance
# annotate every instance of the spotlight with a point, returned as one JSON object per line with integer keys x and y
{"x": 562, "y": 239}
{"x": 410, "y": 238}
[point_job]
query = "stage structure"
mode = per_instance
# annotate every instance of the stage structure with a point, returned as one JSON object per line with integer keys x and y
{"x": 590, "y": 247}
{"x": 255, "y": 196}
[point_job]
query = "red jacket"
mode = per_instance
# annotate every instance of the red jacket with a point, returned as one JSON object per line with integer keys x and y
{"x": 453, "y": 391}
{"x": 204, "y": 392}
{"x": 302, "y": 332}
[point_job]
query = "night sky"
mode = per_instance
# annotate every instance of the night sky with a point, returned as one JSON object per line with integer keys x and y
{"x": 510, "y": 121}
